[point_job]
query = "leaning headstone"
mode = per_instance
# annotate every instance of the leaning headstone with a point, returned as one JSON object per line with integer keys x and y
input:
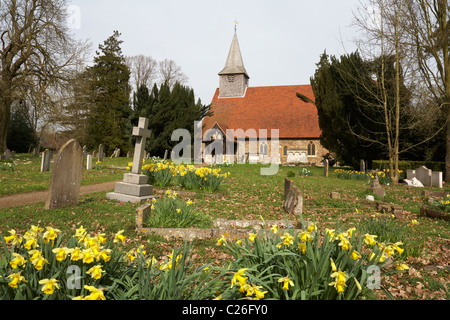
{"x": 294, "y": 202}
{"x": 287, "y": 186}
{"x": 100, "y": 152}
{"x": 325, "y": 168}
{"x": 134, "y": 187}
{"x": 89, "y": 162}
{"x": 45, "y": 161}
{"x": 66, "y": 176}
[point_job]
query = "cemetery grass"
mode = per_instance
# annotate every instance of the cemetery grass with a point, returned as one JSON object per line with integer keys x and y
{"x": 27, "y": 177}
{"x": 246, "y": 194}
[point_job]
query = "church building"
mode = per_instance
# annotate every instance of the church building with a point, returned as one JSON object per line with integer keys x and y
{"x": 251, "y": 113}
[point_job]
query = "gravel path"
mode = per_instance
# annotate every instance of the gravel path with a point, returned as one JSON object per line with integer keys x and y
{"x": 41, "y": 196}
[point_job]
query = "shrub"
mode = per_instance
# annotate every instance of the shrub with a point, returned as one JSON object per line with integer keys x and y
{"x": 441, "y": 205}
{"x": 6, "y": 166}
{"x": 290, "y": 174}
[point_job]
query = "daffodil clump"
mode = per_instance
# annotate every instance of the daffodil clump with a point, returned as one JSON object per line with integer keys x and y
{"x": 171, "y": 211}
{"x": 38, "y": 261}
{"x": 304, "y": 264}
{"x": 442, "y": 205}
{"x": 164, "y": 173}
{"x": 350, "y": 174}
{"x": 204, "y": 178}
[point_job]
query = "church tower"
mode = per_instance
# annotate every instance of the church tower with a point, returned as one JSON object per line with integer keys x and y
{"x": 233, "y": 79}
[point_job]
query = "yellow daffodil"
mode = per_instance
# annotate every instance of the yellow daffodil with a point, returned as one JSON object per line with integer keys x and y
{"x": 96, "y": 294}
{"x": 76, "y": 254}
{"x": 288, "y": 239}
{"x": 18, "y": 261}
{"x": 258, "y": 293}
{"x": 340, "y": 279}
{"x": 369, "y": 239}
{"x": 222, "y": 240}
{"x": 51, "y": 234}
{"x": 96, "y": 272}
{"x": 120, "y": 237}
{"x": 49, "y": 285}
{"x": 13, "y": 238}
{"x": 189, "y": 202}
{"x": 274, "y": 229}
{"x": 239, "y": 277}
{"x": 178, "y": 210}
{"x": 87, "y": 256}
{"x": 345, "y": 244}
{"x": 80, "y": 233}
{"x": 333, "y": 265}
{"x": 355, "y": 255}
{"x": 414, "y": 222}
{"x": 312, "y": 227}
{"x": 305, "y": 236}
{"x": 39, "y": 262}
{"x": 302, "y": 247}
{"x": 401, "y": 266}
{"x": 17, "y": 278}
{"x": 61, "y": 253}
{"x": 252, "y": 237}
{"x": 286, "y": 282}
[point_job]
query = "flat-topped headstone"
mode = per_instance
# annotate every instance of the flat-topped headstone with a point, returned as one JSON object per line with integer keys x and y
{"x": 45, "y": 160}
{"x": 134, "y": 187}
{"x": 423, "y": 174}
{"x": 426, "y": 176}
{"x": 66, "y": 176}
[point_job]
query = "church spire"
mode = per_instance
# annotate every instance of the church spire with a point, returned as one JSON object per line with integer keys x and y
{"x": 234, "y": 64}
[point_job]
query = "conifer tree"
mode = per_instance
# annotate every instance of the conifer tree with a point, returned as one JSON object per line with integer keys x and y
{"x": 110, "y": 94}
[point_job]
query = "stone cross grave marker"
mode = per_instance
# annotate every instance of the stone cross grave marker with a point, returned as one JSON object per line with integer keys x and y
{"x": 45, "y": 161}
{"x": 65, "y": 181}
{"x": 134, "y": 187}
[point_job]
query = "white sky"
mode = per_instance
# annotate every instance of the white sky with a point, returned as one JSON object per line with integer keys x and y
{"x": 281, "y": 40}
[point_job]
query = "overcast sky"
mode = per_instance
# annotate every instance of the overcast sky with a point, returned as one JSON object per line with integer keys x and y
{"x": 281, "y": 40}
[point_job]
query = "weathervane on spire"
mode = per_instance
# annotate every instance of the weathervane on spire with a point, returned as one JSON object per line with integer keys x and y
{"x": 235, "y": 24}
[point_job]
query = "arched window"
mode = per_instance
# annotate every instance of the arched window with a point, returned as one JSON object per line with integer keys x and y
{"x": 285, "y": 150}
{"x": 311, "y": 149}
{"x": 263, "y": 149}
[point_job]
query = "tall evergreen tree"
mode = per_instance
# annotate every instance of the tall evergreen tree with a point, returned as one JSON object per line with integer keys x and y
{"x": 110, "y": 93}
{"x": 21, "y": 134}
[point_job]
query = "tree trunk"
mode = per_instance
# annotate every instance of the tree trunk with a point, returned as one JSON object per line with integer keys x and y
{"x": 5, "y": 111}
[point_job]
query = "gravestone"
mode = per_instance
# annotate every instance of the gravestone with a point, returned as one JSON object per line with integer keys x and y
{"x": 94, "y": 154}
{"x": 293, "y": 204}
{"x": 325, "y": 168}
{"x": 13, "y": 154}
{"x": 362, "y": 166}
{"x": 45, "y": 161}
{"x": 376, "y": 187}
{"x": 89, "y": 162}
{"x": 426, "y": 176}
{"x": 134, "y": 187}
{"x": 165, "y": 154}
{"x": 287, "y": 186}
{"x": 65, "y": 181}
{"x": 7, "y": 154}
{"x": 100, "y": 152}
{"x": 84, "y": 151}
{"x": 129, "y": 154}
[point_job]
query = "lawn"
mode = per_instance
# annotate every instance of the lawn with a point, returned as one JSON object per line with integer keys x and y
{"x": 248, "y": 195}
{"x": 26, "y": 176}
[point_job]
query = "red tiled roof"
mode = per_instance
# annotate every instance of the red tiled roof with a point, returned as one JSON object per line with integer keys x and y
{"x": 276, "y": 107}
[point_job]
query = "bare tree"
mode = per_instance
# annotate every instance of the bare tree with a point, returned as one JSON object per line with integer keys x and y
{"x": 35, "y": 50}
{"x": 428, "y": 33}
{"x": 144, "y": 70}
{"x": 171, "y": 73}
